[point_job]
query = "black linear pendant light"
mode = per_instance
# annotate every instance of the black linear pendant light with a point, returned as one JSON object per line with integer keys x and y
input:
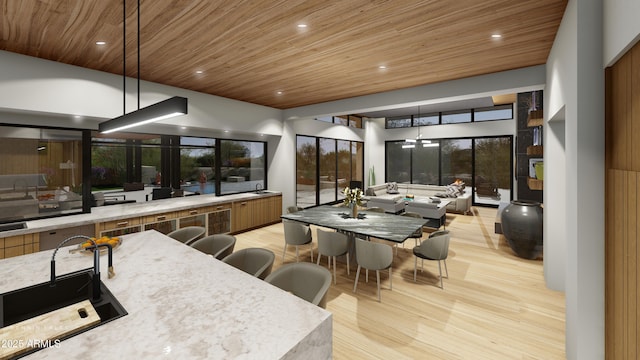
{"x": 162, "y": 110}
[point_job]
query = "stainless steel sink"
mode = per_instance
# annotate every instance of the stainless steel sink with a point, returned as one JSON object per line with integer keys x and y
{"x": 32, "y": 301}
{"x": 13, "y": 226}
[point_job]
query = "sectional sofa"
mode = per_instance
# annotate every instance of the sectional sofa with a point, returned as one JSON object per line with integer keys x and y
{"x": 378, "y": 196}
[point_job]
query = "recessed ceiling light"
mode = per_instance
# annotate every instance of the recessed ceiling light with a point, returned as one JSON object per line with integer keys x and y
{"x": 101, "y": 42}
{"x": 279, "y": 92}
{"x": 496, "y": 36}
{"x": 302, "y": 26}
{"x": 226, "y": 131}
{"x": 183, "y": 127}
{"x": 382, "y": 67}
{"x": 199, "y": 71}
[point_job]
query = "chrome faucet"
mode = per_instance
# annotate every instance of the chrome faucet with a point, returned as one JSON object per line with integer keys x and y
{"x": 96, "y": 263}
{"x": 258, "y": 187}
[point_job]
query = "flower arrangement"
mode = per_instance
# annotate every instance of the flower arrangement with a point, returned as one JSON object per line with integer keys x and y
{"x": 352, "y": 196}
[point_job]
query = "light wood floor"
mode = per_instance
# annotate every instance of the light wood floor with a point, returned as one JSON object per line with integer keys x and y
{"x": 494, "y": 305}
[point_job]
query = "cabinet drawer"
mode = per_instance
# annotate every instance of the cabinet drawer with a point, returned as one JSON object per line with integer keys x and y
{"x": 219, "y": 207}
{"x": 159, "y": 217}
{"x": 117, "y": 224}
{"x": 192, "y": 212}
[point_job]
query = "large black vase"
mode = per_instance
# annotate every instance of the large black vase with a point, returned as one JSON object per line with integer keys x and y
{"x": 522, "y": 227}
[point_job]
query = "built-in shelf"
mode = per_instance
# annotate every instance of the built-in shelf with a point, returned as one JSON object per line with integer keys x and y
{"x": 534, "y": 184}
{"x": 535, "y": 118}
{"x": 534, "y": 150}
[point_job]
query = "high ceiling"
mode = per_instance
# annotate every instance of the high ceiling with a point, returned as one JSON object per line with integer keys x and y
{"x": 251, "y": 50}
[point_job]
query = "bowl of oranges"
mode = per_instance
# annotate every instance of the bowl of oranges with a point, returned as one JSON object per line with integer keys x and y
{"x": 113, "y": 241}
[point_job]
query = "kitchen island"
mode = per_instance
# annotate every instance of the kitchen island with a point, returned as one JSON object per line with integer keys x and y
{"x": 181, "y": 304}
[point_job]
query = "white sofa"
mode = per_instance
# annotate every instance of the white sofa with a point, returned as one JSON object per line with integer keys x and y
{"x": 395, "y": 202}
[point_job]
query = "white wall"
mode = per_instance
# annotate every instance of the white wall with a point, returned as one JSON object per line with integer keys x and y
{"x": 621, "y": 28}
{"x": 37, "y": 86}
{"x": 575, "y": 86}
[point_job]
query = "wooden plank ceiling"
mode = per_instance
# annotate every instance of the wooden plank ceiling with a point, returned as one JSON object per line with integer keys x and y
{"x": 250, "y": 50}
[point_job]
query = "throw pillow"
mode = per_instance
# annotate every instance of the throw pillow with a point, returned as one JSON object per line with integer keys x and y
{"x": 392, "y": 188}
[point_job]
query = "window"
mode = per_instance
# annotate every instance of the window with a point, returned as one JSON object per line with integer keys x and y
{"x": 306, "y": 154}
{"x": 398, "y": 122}
{"x": 197, "y": 165}
{"x": 455, "y": 117}
{"x": 355, "y": 121}
{"x": 485, "y": 165}
{"x": 109, "y": 163}
{"x": 455, "y": 160}
{"x": 347, "y": 120}
{"x": 41, "y": 172}
{"x": 425, "y": 166}
{"x": 188, "y": 163}
{"x": 492, "y": 164}
{"x": 342, "y": 120}
{"x": 500, "y": 112}
{"x": 398, "y": 162}
{"x": 429, "y": 119}
{"x": 242, "y": 167}
{"x": 324, "y": 167}
{"x": 328, "y": 179}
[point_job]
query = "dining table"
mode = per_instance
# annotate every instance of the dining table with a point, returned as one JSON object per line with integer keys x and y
{"x": 390, "y": 227}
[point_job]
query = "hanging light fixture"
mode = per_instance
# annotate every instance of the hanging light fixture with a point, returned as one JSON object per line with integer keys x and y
{"x": 163, "y": 110}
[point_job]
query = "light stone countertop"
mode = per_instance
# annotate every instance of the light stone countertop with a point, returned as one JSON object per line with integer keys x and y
{"x": 124, "y": 211}
{"x": 182, "y": 304}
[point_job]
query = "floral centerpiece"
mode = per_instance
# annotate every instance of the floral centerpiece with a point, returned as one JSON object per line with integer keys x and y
{"x": 352, "y": 199}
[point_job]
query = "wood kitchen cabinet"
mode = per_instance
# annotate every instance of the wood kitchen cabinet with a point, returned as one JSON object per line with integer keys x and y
{"x": 250, "y": 214}
{"x": 119, "y": 227}
{"x": 19, "y": 245}
{"x": 164, "y": 223}
{"x": 193, "y": 217}
{"x": 241, "y": 217}
{"x": 219, "y": 219}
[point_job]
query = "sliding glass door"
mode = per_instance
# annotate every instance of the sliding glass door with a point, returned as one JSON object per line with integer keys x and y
{"x": 492, "y": 164}
{"x": 324, "y": 167}
{"x": 484, "y": 164}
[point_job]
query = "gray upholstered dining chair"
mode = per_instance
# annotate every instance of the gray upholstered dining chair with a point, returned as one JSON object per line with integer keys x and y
{"x": 293, "y": 208}
{"x": 296, "y": 234}
{"x": 435, "y": 247}
{"x": 187, "y": 235}
{"x": 417, "y": 235}
{"x": 219, "y": 245}
{"x": 308, "y": 281}
{"x": 373, "y": 256}
{"x": 333, "y": 244}
{"x": 255, "y": 261}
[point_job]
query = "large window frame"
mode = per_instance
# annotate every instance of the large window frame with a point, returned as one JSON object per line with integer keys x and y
{"x": 45, "y": 172}
{"x": 321, "y": 174}
{"x": 212, "y": 177}
{"x": 462, "y": 116}
{"x": 400, "y": 166}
